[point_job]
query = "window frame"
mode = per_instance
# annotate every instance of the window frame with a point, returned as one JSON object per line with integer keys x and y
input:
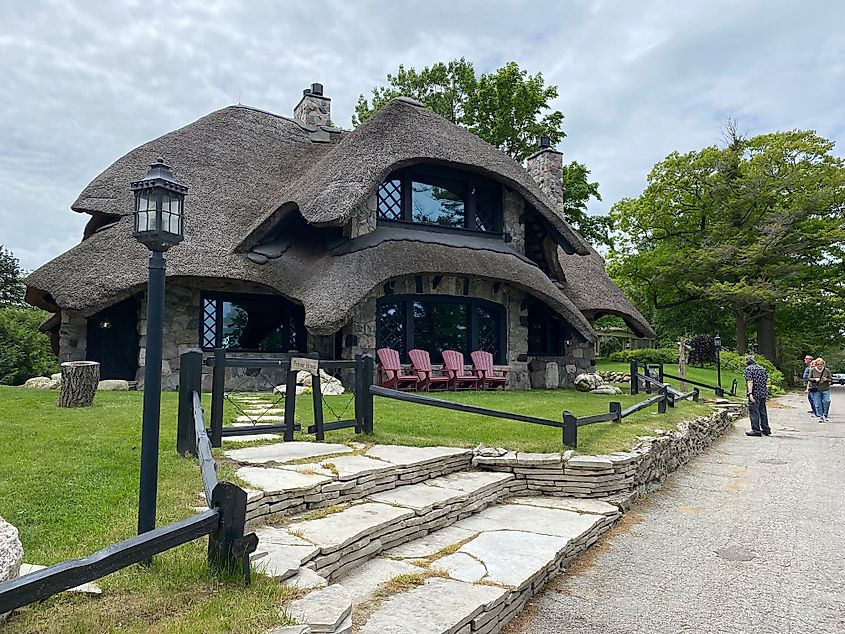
{"x": 548, "y": 334}
{"x": 470, "y": 184}
{"x": 495, "y": 308}
{"x": 220, "y": 297}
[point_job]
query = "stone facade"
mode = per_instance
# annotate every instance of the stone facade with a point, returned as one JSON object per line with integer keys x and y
{"x": 73, "y": 335}
{"x": 512, "y": 209}
{"x": 550, "y": 372}
{"x": 314, "y": 108}
{"x": 546, "y": 167}
{"x": 363, "y": 221}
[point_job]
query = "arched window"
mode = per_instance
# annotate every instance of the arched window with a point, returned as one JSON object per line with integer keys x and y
{"x": 440, "y": 322}
{"x": 441, "y": 198}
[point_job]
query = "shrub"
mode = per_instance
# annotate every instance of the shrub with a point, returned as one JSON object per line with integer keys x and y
{"x": 24, "y": 351}
{"x": 609, "y": 346}
{"x": 733, "y": 362}
{"x": 647, "y": 355}
{"x": 702, "y": 350}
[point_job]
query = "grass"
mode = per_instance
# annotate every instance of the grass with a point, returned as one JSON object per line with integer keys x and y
{"x": 702, "y": 375}
{"x": 70, "y": 484}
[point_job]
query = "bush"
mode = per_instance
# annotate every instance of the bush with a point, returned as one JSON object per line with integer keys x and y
{"x": 702, "y": 350}
{"x": 25, "y": 352}
{"x": 609, "y": 346}
{"x": 647, "y": 355}
{"x": 733, "y": 362}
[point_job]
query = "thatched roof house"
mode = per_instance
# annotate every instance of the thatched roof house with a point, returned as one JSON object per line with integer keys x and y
{"x": 408, "y": 231}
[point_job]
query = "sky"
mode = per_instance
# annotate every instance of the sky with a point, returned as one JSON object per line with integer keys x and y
{"x": 85, "y": 82}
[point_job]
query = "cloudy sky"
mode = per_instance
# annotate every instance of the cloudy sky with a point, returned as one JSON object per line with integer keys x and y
{"x": 84, "y": 82}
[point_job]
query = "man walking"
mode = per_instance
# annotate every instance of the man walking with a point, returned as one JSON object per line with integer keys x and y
{"x": 808, "y": 364}
{"x": 756, "y": 379}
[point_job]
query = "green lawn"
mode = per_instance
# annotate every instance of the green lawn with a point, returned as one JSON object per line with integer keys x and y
{"x": 70, "y": 484}
{"x": 702, "y": 375}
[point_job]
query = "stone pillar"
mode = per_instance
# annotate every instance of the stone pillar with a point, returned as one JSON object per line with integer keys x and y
{"x": 546, "y": 167}
{"x": 514, "y": 207}
{"x": 73, "y": 337}
{"x": 314, "y": 108}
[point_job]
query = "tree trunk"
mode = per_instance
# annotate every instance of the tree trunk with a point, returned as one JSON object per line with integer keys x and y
{"x": 766, "y": 334}
{"x": 682, "y": 363}
{"x": 741, "y": 336}
{"x": 79, "y": 383}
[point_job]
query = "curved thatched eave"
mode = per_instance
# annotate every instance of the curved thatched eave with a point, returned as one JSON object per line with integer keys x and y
{"x": 401, "y": 133}
{"x": 595, "y": 294}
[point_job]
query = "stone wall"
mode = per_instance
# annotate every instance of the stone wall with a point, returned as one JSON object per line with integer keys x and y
{"x": 359, "y": 335}
{"x": 73, "y": 334}
{"x": 547, "y": 372}
{"x": 513, "y": 206}
{"x": 621, "y": 474}
{"x": 546, "y": 168}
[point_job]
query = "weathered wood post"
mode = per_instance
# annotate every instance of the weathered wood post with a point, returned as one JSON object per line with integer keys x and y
{"x": 290, "y": 404}
{"x": 616, "y": 408}
{"x": 218, "y": 389}
{"x": 367, "y": 377}
{"x": 570, "y": 429}
{"x": 359, "y": 393}
{"x": 79, "y": 383}
{"x": 190, "y": 381}
{"x": 231, "y": 500}
{"x": 635, "y": 382}
{"x": 317, "y": 394}
{"x": 682, "y": 362}
{"x": 661, "y": 404}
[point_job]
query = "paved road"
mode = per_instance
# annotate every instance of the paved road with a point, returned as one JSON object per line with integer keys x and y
{"x": 778, "y": 503}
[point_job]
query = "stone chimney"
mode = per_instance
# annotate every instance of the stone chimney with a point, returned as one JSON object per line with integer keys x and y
{"x": 546, "y": 167}
{"x": 314, "y": 108}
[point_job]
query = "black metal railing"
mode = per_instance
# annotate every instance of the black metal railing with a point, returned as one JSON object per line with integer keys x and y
{"x": 223, "y": 522}
{"x": 647, "y": 379}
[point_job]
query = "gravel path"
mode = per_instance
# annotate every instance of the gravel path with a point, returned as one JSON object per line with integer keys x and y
{"x": 747, "y": 538}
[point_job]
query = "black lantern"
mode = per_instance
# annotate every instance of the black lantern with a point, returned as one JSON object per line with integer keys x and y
{"x": 159, "y": 205}
{"x": 717, "y": 341}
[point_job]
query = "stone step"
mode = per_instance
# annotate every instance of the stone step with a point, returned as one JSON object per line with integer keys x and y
{"x": 341, "y": 541}
{"x": 478, "y": 574}
{"x": 335, "y": 474}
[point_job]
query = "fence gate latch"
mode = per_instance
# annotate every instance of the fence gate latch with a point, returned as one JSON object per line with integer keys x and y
{"x": 242, "y": 548}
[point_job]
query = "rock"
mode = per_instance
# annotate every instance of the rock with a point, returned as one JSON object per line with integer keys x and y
{"x": 40, "y": 383}
{"x": 324, "y": 610}
{"x": 290, "y": 629}
{"x": 363, "y": 582}
{"x": 11, "y": 551}
{"x": 113, "y": 385}
{"x": 489, "y": 452}
{"x": 285, "y": 452}
{"x": 606, "y": 389}
{"x": 332, "y": 388}
{"x": 588, "y": 381}
{"x": 552, "y": 376}
{"x": 56, "y": 377}
{"x": 283, "y": 389}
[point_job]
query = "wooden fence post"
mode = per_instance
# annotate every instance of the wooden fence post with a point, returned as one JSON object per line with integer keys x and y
{"x": 359, "y": 394}
{"x": 290, "y": 404}
{"x": 616, "y": 408}
{"x": 218, "y": 389}
{"x": 231, "y": 499}
{"x": 190, "y": 381}
{"x": 367, "y": 376}
{"x": 317, "y": 394}
{"x": 570, "y": 430}
{"x": 695, "y": 393}
{"x": 635, "y": 383}
{"x": 660, "y": 372}
{"x": 661, "y": 404}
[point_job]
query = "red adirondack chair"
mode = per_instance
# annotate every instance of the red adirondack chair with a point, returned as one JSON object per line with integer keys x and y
{"x": 453, "y": 361}
{"x": 482, "y": 363}
{"x": 390, "y": 372}
{"x": 421, "y": 364}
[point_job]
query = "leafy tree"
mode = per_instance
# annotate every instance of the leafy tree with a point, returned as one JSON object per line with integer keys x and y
{"x": 11, "y": 279}
{"x": 755, "y": 228}
{"x": 24, "y": 351}
{"x": 577, "y": 192}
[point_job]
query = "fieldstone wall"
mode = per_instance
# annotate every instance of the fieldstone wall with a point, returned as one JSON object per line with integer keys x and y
{"x": 73, "y": 335}
{"x": 621, "y": 474}
{"x": 359, "y": 335}
{"x": 547, "y": 372}
{"x": 363, "y": 220}
{"x": 546, "y": 168}
{"x": 513, "y": 206}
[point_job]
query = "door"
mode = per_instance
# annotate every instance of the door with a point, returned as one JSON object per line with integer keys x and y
{"x": 113, "y": 340}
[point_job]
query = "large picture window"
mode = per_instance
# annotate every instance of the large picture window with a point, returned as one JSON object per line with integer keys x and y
{"x": 547, "y": 331}
{"x": 441, "y": 198}
{"x": 260, "y": 323}
{"x": 435, "y": 323}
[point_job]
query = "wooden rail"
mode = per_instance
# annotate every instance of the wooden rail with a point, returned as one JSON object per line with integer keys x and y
{"x": 208, "y": 468}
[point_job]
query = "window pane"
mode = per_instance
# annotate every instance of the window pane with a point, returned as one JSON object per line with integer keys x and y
{"x": 486, "y": 208}
{"x": 440, "y": 326}
{"x": 488, "y": 323}
{"x": 267, "y": 324}
{"x": 391, "y": 326}
{"x": 390, "y": 200}
{"x": 436, "y": 205}
{"x": 209, "y": 323}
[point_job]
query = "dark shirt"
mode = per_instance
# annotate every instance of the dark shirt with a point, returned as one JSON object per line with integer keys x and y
{"x": 760, "y": 377}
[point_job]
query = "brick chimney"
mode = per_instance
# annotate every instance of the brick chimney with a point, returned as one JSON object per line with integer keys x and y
{"x": 314, "y": 108}
{"x": 546, "y": 167}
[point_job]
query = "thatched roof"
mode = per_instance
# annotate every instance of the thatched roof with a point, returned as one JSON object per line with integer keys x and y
{"x": 594, "y": 293}
{"x": 244, "y": 167}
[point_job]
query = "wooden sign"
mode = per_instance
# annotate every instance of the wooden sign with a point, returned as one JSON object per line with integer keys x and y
{"x": 302, "y": 364}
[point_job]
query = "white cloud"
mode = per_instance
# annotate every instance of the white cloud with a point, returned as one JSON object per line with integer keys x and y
{"x": 84, "y": 82}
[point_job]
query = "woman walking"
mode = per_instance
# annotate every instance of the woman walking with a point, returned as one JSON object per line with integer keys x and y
{"x": 820, "y": 378}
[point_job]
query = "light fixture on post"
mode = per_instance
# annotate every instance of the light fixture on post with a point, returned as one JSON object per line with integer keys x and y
{"x": 717, "y": 341}
{"x": 159, "y": 209}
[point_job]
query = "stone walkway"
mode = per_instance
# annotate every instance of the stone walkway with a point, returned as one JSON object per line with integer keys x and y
{"x": 749, "y": 538}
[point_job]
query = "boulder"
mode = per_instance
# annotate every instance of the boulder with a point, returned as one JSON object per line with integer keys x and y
{"x": 606, "y": 389}
{"x": 329, "y": 385}
{"x": 113, "y": 385}
{"x": 588, "y": 381}
{"x": 282, "y": 389}
{"x": 40, "y": 383}
{"x": 56, "y": 377}
{"x": 11, "y": 554}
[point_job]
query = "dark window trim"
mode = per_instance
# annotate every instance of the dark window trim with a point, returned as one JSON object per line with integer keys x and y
{"x": 467, "y": 181}
{"x": 548, "y": 334}
{"x": 419, "y": 226}
{"x": 223, "y": 296}
{"x": 500, "y": 355}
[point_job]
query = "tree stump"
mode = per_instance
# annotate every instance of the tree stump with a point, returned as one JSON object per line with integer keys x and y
{"x": 79, "y": 383}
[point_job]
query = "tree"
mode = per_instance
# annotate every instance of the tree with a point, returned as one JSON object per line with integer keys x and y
{"x": 11, "y": 279}
{"x": 755, "y": 227}
{"x": 24, "y": 351}
{"x": 508, "y": 109}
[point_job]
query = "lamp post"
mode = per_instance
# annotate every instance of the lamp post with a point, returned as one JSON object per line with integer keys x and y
{"x": 159, "y": 206}
{"x": 717, "y": 341}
